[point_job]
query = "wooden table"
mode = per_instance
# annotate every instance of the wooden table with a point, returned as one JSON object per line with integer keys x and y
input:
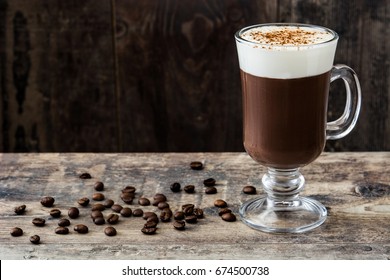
{"x": 353, "y": 186}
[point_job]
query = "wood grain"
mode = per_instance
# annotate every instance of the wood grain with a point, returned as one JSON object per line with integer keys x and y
{"x": 353, "y": 186}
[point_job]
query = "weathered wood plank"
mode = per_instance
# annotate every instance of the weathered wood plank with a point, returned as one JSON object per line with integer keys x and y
{"x": 355, "y": 188}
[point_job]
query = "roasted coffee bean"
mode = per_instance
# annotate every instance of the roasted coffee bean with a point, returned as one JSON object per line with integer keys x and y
{"x": 189, "y": 188}
{"x": 198, "y": 213}
{"x": 47, "y": 201}
{"x": 179, "y": 215}
{"x": 210, "y": 190}
{"x": 162, "y": 205}
{"x": 64, "y": 223}
{"x": 19, "y": 210}
{"x": 55, "y": 213}
{"x": 143, "y": 201}
{"x": 110, "y": 231}
{"x": 150, "y": 224}
{"x": 147, "y": 215}
{"x": 249, "y": 190}
{"x": 39, "y": 222}
{"x": 35, "y": 239}
{"x": 192, "y": 219}
{"x": 73, "y": 212}
{"x": 127, "y": 197}
{"x": 138, "y": 212}
{"x": 61, "y": 230}
{"x": 220, "y": 203}
{"x": 153, "y": 219}
{"x": 149, "y": 231}
{"x": 99, "y": 221}
{"x": 98, "y": 207}
{"x": 166, "y": 215}
{"x": 129, "y": 189}
{"x": 179, "y": 225}
{"x": 188, "y": 209}
{"x": 228, "y": 217}
{"x": 126, "y": 212}
{"x": 210, "y": 182}
{"x": 98, "y": 196}
{"x": 112, "y": 219}
{"x": 116, "y": 208}
{"x": 16, "y": 231}
{"x": 81, "y": 228}
{"x": 84, "y": 201}
{"x": 96, "y": 213}
{"x": 196, "y": 165}
{"x": 85, "y": 175}
{"x": 224, "y": 211}
{"x": 99, "y": 186}
{"x": 176, "y": 187}
{"x": 160, "y": 197}
{"x": 108, "y": 203}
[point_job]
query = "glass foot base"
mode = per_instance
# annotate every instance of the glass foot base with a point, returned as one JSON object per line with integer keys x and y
{"x": 294, "y": 216}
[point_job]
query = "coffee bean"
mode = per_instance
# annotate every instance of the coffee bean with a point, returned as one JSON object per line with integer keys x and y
{"x": 112, "y": 219}
{"x": 39, "y": 222}
{"x": 84, "y": 201}
{"x": 188, "y": 209}
{"x": 47, "y": 201}
{"x": 19, "y": 210}
{"x": 179, "y": 225}
{"x": 210, "y": 190}
{"x": 35, "y": 239}
{"x": 61, "y": 230}
{"x": 110, "y": 231}
{"x": 229, "y": 217}
{"x": 192, "y": 219}
{"x": 64, "y": 223}
{"x": 249, "y": 190}
{"x": 108, "y": 203}
{"x": 209, "y": 182}
{"x": 129, "y": 189}
{"x": 153, "y": 219}
{"x": 95, "y": 214}
{"x": 224, "y": 211}
{"x": 143, "y": 201}
{"x": 81, "y": 228}
{"x": 150, "y": 224}
{"x": 138, "y": 212}
{"x": 16, "y": 231}
{"x": 162, "y": 205}
{"x": 98, "y": 207}
{"x": 160, "y": 197}
{"x": 166, "y": 215}
{"x": 147, "y": 215}
{"x": 85, "y": 176}
{"x": 198, "y": 213}
{"x": 99, "y": 221}
{"x": 116, "y": 208}
{"x": 99, "y": 186}
{"x": 149, "y": 231}
{"x": 196, "y": 165}
{"x": 98, "y": 196}
{"x": 73, "y": 212}
{"x": 127, "y": 197}
{"x": 189, "y": 188}
{"x": 179, "y": 215}
{"x": 55, "y": 213}
{"x": 176, "y": 187}
{"x": 126, "y": 212}
{"x": 220, "y": 203}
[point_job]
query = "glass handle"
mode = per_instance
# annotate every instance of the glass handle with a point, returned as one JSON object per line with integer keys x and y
{"x": 342, "y": 126}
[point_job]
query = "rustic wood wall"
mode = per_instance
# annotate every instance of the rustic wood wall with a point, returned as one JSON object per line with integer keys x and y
{"x": 132, "y": 75}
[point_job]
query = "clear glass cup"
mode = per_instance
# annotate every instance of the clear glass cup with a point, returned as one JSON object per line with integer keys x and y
{"x": 285, "y": 88}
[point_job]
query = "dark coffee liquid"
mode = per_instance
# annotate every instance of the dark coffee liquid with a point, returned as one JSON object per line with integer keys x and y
{"x": 285, "y": 119}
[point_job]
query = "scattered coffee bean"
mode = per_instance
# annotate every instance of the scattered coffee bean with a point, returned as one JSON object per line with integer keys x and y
{"x": 160, "y": 197}
{"x": 179, "y": 225}
{"x": 162, "y": 205}
{"x": 188, "y": 209}
{"x": 35, "y": 239}
{"x": 179, "y": 215}
{"x": 73, "y": 212}
{"x": 166, "y": 215}
{"x": 220, "y": 203}
{"x": 81, "y": 229}
{"x": 129, "y": 189}
{"x": 55, "y": 213}
{"x": 228, "y": 217}
{"x": 149, "y": 231}
{"x": 98, "y": 196}
{"x": 84, "y": 201}
{"x": 99, "y": 221}
{"x": 249, "y": 190}
{"x": 150, "y": 224}
{"x": 108, "y": 203}
{"x": 39, "y": 222}
{"x": 143, "y": 201}
{"x": 85, "y": 176}
{"x": 98, "y": 207}
{"x": 138, "y": 212}
{"x": 210, "y": 190}
{"x": 16, "y": 231}
{"x": 126, "y": 212}
{"x": 189, "y": 188}
{"x": 224, "y": 211}
{"x": 64, "y": 222}
{"x": 176, "y": 187}
{"x": 196, "y": 165}
{"x": 112, "y": 219}
{"x": 209, "y": 182}
{"x": 116, "y": 208}
{"x": 192, "y": 219}
{"x": 96, "y": 213}
{"x": 198, "y": 213}
{"x": 127, "y": 197}
{"x": 153, "y": 219}
{"x": 47, "y": 201}
{"x": 99, "y": 186}
{"x": 19, "y": 210}
{"x": 147, "y": 215}
{"x": 110, "y": 231}
{"x": 61, "y": 230}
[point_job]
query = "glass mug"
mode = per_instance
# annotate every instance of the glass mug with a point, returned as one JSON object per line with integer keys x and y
{"x": 286, "y": 70}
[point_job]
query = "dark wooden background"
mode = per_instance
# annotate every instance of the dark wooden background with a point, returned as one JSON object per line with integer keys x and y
{"x": 162, "y": 75}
